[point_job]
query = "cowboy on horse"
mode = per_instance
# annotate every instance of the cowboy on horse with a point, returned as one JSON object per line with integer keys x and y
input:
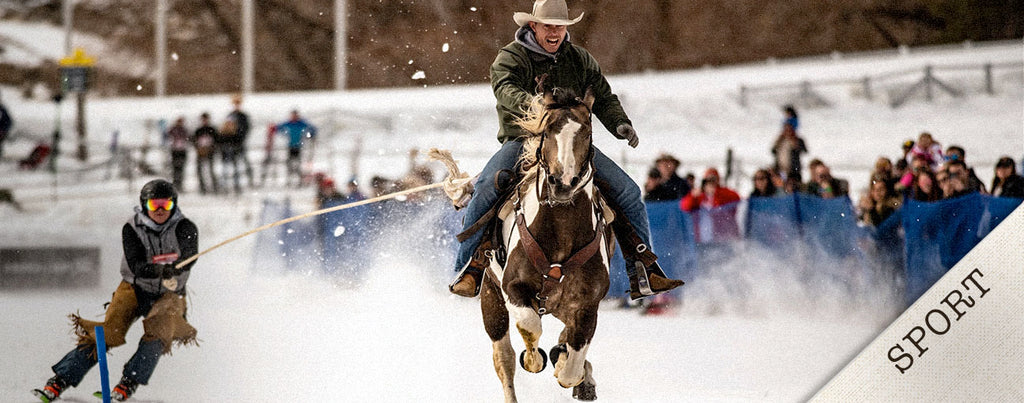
{"x": 542, "y": 48}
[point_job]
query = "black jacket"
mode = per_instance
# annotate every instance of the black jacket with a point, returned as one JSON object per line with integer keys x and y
{"x": 673, "y": 189}
{"x": 1013, "y": 186}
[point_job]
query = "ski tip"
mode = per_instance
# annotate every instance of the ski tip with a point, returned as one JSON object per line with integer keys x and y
{"x": 38, "y": 393}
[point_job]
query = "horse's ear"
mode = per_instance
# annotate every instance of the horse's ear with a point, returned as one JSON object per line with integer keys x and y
{"x": 588, "y": 98}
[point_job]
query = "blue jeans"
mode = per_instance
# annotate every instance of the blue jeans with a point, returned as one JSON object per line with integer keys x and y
{"x": 77, "y": 362}
{"x": 614, "y": 183}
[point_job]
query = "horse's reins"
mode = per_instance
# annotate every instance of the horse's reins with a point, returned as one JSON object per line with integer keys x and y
{"x": 556, "y": 271}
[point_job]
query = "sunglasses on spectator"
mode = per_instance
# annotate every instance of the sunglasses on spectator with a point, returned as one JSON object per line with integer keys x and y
{"x": 154, "y": 204}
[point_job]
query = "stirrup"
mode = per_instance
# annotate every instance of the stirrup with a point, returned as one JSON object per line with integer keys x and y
{"x": 642, "y": 287}
{"x": 476, "y": 274}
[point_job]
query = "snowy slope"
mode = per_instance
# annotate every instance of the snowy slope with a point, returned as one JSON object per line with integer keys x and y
{"x": 400, "y": 336}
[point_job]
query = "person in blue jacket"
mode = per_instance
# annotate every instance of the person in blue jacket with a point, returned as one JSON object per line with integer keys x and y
{"x": 297, "y": 130}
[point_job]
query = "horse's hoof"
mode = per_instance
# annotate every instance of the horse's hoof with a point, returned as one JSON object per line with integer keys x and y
{"x": 585, "y": 391}
{"x": 543, "y": 360}
{"x": 557, "y": 351}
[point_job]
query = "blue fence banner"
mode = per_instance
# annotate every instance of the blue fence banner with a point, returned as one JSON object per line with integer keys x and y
{"x": 672, "y": 238}
{"x": 829, "y": 225}
{"x": 773, "y": 222}
{"x": 300, "y": 248}
{"x": 939, "y": 234}
{"x": 347, "y": 239}
{"x": 817, "y": 239}
{"x": 267, "y": 252}
{"x": 825, "y": 228}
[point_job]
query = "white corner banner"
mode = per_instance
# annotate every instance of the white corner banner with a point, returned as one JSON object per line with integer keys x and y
{"x": 963, "y": 340}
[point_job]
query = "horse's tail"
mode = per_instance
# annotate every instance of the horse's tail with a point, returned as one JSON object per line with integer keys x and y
{"x": 457, "y": 185}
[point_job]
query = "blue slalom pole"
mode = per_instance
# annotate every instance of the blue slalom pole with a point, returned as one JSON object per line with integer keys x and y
{"x": 101, "y": 354}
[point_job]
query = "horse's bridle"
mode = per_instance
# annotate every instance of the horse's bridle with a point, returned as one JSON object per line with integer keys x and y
{"x": 577, "y": 182}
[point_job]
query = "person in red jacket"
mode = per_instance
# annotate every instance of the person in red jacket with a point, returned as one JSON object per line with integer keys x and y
{"x": 717, "y": 224}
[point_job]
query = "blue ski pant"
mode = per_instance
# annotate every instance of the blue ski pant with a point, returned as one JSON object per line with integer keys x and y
{"x": 77, "y": 362}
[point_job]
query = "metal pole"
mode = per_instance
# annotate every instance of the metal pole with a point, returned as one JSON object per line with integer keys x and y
{"x": 989, "y": 89}
{"x": 340, "y": 44}
{"x": 68, "y": 8}
{"x": 248, "y": 72}
{"x": 55, "y": 149}
{"x": 83, "y": 146}
{"x": 928, "y": 82}
{"x": 161, "y": 48}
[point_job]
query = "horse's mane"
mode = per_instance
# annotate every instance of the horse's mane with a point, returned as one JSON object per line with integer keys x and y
{"x": 532, "y": 122}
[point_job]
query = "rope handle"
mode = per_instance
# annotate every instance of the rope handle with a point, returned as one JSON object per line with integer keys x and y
{"x": 311, "y": 214}
{"x": 455, "y": 178}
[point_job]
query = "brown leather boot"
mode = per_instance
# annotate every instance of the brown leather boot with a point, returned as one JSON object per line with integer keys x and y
{"x": 648, "y": 281}
{"x": 467, "y": 283}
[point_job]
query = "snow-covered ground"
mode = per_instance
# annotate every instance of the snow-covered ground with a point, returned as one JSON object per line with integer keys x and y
{"x": 400, "y": 336}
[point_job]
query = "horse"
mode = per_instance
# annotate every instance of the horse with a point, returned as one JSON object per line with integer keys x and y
{"x": 557, "y": 242}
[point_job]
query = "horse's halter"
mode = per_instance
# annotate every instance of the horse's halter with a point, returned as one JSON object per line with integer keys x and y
{"x": 578, "y": 181}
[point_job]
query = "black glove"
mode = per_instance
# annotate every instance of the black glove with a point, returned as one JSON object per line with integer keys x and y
{"x": 625, "y": 131}
{"x": 171, "y": 271}
{"x": 153, "y": 270}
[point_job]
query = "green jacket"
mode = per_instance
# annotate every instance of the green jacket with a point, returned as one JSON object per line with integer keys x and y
{"x": 513, "y": 76}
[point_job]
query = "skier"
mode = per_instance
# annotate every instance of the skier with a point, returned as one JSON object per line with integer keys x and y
{"x": 155, "y": 238}
{"x": 542, "y": 46}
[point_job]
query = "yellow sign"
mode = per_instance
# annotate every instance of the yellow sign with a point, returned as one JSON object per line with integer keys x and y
{"x": 78, "y": 58}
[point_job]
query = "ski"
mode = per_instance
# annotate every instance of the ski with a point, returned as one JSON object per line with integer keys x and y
{"x": 42, "y": 396}
{"x": 99, "y": 395}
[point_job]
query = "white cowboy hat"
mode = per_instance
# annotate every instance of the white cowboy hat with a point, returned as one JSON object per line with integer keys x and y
{"x": 553, "y": 12}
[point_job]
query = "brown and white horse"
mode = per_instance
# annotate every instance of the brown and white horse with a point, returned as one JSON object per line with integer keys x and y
{"x": 557, "y": 244}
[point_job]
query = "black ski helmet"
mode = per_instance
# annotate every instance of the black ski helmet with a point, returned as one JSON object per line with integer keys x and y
{"x": 158, "y": 189}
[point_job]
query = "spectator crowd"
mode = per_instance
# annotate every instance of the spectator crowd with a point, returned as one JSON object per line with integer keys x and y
{"x": 924, "y": 172}
{"x": 227, "y": 143}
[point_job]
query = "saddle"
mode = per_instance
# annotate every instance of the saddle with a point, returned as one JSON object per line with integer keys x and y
{"x": 492, "y": 245}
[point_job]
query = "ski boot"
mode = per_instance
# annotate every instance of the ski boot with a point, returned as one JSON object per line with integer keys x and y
{"x": 124, "y": 390}
{"x": 54, "y": 387}
{"x": 648, "y": 281}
